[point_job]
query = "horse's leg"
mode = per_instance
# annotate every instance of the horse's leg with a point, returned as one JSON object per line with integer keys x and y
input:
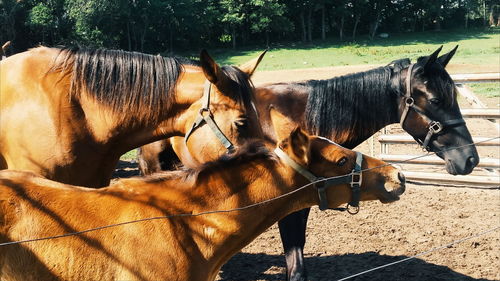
{"x": 293, "y": 236}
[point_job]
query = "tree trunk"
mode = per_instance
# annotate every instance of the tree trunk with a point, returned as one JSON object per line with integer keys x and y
{"x": 233, "y": 36}
{"x": 323, "y": 23}
{"x": 375, "y": 25}
{"x": 309, "y": 24}
{"x": 492, "y": 18}
{"x": 358, "y": 17}
{"x": 129, "y": 41}
{"x": 414, "y": 23}
{"x": 484, "y": 13}
{"x": 171, "y": 39}
{"x": 466, "y": 18}
{"x": 143, "y": 35}
{"x": 437, "y": 27}
{"x": 341, "y": 28}
{"x": 303, "y": 24}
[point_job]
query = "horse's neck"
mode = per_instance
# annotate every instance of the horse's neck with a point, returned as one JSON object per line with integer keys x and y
{"x": 363, "y": 120}
{"x": 291, "y": 101}
{"x": 110, "y": 127}
{"x": 225, "y": 234}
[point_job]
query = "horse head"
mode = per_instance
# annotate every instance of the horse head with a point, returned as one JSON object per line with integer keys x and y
{"x": 429, "y": 112}
{"x": 352, "y": 176}
{"x": 226, "y": 115}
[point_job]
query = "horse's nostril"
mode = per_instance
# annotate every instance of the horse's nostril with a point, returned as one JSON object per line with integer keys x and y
{"x": 473, "y": 161}
{"x": 401, "y": 177}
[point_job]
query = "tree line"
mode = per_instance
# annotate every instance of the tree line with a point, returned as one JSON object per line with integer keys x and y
{"x": 173, "y": 25}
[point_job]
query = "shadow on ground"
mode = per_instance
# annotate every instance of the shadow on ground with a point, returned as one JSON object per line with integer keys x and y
{"x": 250, "y": 267}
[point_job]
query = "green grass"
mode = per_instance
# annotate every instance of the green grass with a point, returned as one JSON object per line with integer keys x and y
{"x": 131, "y": 155}
{"x": 489, "y": 90}
{"x": 476, "y": 46}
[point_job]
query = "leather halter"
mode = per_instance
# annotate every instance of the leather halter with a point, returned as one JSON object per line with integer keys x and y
{"x": 434, "y": 127}
{"x": 205, "y": 116}
{"x": 354, "y": 179}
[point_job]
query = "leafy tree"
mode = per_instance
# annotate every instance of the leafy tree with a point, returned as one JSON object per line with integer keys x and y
{"x": 268, "y": 16}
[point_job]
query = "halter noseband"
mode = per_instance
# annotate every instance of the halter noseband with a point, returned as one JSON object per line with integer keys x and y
{"x": 435, "y": 127}
{"x": 206, "y": 116}
{"x": 354, "y": 179}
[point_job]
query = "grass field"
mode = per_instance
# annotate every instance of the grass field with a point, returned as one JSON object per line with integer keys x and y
{"x": 476, "y": 47}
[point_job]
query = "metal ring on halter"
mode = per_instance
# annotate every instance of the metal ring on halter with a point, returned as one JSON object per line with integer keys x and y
{"x": 409, "y": 101}
{"x": 350, "y": 209}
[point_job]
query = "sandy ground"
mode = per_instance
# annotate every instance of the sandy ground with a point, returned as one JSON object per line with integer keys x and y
{"x": 427, "y": 216}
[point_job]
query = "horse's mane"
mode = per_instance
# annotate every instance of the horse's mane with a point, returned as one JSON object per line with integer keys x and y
{"x": 128, "y": 82}
{"x": 139, "y": 85}
{"x": 356, "y": 101}
{"x": 252, "y": 150}
{"x": 240, "y": 84}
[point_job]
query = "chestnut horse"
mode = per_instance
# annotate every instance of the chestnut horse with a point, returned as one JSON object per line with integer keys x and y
{"x": 351, "y": 108}
{"x": 191, "y": 246}
{"x": 69, "y": 114}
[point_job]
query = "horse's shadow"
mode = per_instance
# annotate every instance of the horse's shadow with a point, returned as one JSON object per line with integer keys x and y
{"x": 250, "y": 267}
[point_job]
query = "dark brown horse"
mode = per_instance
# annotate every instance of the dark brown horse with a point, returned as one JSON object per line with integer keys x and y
{"x": 69, "y": 114}
{"x": 351, "y": 108}
{"x": 192, "y": 246}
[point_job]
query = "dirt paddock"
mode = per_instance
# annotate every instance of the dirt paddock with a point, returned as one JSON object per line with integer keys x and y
{"x": 427, "y": 216}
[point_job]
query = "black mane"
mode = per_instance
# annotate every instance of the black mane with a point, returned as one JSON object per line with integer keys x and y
{"x": 355, "y": 102}
{"x": 136, "y": 84}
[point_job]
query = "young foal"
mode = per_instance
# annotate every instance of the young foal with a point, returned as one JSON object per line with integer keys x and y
{"x": 178, "y": 248}
{"x": 69, "y": 114}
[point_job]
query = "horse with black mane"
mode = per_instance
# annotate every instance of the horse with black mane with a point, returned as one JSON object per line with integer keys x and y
{"x": 69, "y": 114}
{"x": 421, "y": 96}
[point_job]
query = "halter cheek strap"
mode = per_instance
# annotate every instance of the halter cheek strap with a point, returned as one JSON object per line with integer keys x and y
{"x": 354, "y": 179}
{"x": 206, "y": 116}
{"x": 434, "y": 127}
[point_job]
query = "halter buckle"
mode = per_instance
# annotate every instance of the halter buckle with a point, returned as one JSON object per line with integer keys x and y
{"x": 435, "y": 127}
{"x": 356, "y": 178}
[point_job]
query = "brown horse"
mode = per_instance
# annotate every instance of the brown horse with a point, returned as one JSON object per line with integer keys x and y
{"x": 187, "y": 247}
{"x": 351, "y": 108}
{"x": 69, "y": 114}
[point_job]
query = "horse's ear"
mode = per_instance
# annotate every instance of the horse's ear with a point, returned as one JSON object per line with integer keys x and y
{"x": 445, "y": 59}
{"x": 282, "y": 125}
{"x": 250, "y": 66}
{"x": 291, "y": 138}
{"x": 430, "y": 60}
{"x": 299, "y": 145}
{"x": 211, "y": 69}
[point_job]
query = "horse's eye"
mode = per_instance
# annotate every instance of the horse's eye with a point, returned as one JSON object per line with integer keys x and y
{"x": 342, "y": 161}
{"x": 241, "y": 123}
{"x": 435, "y": 101}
